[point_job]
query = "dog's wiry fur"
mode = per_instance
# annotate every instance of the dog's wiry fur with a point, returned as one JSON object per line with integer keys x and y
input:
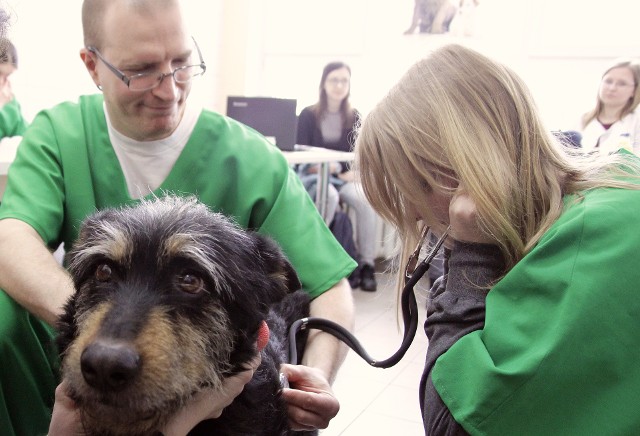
{"x": 169, "y": 299}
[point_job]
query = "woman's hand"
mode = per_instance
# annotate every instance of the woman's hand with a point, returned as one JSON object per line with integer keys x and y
{"x": 209, "y": 404}
{"x": 463, "y": 219}
{"x": 311, "y": 402}
{"x": 65, "y": 420}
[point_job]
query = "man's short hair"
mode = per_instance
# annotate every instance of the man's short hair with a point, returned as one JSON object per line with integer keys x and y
{"x": 93, "y": 12}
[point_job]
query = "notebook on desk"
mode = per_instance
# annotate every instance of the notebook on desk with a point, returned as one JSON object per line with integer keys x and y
{"x": 275, "y": 118}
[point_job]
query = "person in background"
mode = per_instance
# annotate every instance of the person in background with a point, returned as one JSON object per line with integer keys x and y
{"x": 532, "y": 328}
{"x": 140, "y": 138}
{"x": 614, "y": 123}
{"x": 330, "y": 123}
{"x": 12, "y": 123}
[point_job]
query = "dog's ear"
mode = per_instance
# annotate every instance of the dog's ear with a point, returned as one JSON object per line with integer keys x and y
{"x": 276, "y": 263}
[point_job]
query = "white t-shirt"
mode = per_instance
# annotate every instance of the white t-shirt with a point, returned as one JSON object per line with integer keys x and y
{"x": 331, "y": 127}
{"x": 146, "y": 164}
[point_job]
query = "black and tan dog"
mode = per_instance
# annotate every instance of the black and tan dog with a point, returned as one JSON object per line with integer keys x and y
{"x": 169, "y": 300}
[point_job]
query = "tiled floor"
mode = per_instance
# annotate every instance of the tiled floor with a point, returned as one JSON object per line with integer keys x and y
{"x": 378, "y": 401}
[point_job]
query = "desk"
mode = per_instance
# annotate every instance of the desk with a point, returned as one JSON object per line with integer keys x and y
{"x": 324, "y": 157}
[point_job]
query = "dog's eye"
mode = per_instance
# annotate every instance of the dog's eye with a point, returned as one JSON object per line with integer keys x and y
{"x": 103, "y": 273}
{"x": 191, "y": 283}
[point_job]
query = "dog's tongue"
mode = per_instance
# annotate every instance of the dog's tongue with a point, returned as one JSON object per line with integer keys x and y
{"x": 263, "y": 336}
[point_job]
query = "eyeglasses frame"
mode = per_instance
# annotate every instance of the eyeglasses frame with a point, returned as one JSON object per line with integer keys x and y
{"x": 127, "y": 79}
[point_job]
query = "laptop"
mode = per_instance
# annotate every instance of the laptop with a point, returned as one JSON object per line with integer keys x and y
{"x": 275, "y": 118}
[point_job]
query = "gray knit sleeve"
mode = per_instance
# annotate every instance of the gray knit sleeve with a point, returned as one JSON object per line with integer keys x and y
{"x": 455, "y": 307}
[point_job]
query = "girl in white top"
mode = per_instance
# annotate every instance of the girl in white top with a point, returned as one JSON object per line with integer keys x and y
{"x": 615, "y": 123}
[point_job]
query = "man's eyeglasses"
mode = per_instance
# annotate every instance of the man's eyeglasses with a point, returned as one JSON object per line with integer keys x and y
{"x": 150, "y": 80}
{"x": 416, "y": 268}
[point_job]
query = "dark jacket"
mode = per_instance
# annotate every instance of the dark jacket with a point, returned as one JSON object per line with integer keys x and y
{"x": 309, "y": 134}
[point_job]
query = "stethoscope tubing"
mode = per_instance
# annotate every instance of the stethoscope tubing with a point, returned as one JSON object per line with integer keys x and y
{"x": 409, "y": 315}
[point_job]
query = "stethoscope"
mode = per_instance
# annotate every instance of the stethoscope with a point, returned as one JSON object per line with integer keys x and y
{"x": 413, "y": 273}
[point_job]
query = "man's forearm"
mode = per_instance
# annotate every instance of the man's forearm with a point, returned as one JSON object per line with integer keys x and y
{"x": 29, "y": 273}
{"x": 324, "y": 351}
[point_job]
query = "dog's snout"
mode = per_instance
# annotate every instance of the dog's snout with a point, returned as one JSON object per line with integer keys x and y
{"x": 109, "y": 365}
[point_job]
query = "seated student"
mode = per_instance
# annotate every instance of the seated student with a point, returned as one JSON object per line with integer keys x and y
{"x": 330, "y": 123}
{"x": 12, "y": 122}
{"x": 141, "y": 138}
{"x": 614, "y": 123}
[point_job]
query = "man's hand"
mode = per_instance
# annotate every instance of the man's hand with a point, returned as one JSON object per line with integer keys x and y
{"x": 311, "y": 402}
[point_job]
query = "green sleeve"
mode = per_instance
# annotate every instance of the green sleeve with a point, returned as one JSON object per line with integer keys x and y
{"x": 34, "y": 192}
{"x": 49, "y": 185}
{"x": 12, "y": 122}
{"x": 295, "y": 223}
{"x": 237, "y": 172}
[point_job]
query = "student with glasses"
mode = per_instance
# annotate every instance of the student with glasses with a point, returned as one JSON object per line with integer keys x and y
{"x": 533, "y": 327}
{"x": 614, "y": 123}
{"x": 330, "y": 123}
{"x": 139, "y": 138}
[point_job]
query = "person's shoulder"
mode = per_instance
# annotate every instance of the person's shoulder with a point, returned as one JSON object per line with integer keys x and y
{"x": 307, "y": 112}
{"x": 222, "y": 124}
{"x": 233, "y": 134}
{"x": 609, "y": 207}
{"x": 83, "y": 103}
{"x": 633, "y": 116}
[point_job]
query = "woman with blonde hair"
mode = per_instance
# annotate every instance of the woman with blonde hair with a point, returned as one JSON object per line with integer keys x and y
{"x": 614, "y": 123}
{"x": 532, "y": 329}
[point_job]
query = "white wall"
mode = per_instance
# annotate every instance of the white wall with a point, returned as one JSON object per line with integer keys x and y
{"x": 560, "y": 47}
{"x": 278, "y": 47}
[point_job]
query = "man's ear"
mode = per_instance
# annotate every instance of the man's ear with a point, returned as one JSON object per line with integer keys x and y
{"x": 90, "y": 62}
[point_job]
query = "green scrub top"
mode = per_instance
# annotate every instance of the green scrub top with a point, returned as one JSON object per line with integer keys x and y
{"x": 559, "y": 353}
{"x": 66, "y": 168}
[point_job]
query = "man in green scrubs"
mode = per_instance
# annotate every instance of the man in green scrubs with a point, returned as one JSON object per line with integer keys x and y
{"x": 137, "y": 139}
{"x": 12, "y": 123}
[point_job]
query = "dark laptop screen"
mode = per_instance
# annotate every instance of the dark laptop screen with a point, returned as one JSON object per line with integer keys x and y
{"x": 273, "y": 117}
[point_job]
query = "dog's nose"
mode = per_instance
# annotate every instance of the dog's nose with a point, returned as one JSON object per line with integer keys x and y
{"x": 109, "y": 365}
